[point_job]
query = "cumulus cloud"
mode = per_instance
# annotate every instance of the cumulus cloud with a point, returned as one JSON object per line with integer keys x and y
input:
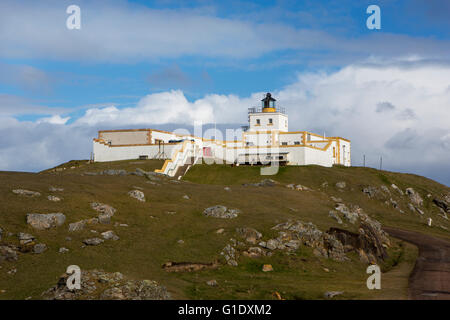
{"x": 412, "y": 137}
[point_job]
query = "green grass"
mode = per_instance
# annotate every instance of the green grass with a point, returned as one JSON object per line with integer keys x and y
{"x": 152, "y": 235}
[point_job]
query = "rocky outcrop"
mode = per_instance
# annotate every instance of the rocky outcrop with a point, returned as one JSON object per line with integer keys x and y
{"x": 295, "y": 233}
{"x": 222, "y": 212}
{"x": 414, "y": 197}
{"x": 100, "y": 285}
{"x": 105, "y": 212}
{"x": 351, "y": 214}
{"x": 45, "y": 221}
{"x": 399, "y": 191}
{"x": 370, "y": 242}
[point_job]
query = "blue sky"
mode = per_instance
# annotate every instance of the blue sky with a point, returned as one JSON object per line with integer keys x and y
{"x": 216, "y": 58}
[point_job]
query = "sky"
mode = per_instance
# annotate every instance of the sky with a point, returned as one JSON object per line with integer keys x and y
{"x": 167, "y": 64}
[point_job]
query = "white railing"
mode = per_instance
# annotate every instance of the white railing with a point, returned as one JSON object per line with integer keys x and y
{"x": 181, "y": 156}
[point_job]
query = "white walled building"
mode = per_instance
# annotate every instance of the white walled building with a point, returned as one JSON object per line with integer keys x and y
{"x": 265, "y": 140}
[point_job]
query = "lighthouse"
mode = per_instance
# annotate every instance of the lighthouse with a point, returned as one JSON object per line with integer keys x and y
{"x": 268, "y": 117}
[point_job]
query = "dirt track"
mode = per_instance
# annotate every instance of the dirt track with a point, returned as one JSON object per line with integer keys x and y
{"x": 430, "y": 279}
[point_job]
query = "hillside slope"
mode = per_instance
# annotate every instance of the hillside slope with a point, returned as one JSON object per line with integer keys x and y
{"x": 170, "y": 227}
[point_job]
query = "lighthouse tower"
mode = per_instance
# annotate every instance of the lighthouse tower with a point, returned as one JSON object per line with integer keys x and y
{"x": 268, "y": 117}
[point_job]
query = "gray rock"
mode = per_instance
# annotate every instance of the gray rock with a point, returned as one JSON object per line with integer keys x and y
{"x": 39, "y": 248}
{"x": 249, "y": 234}
{"x": 112, "y": 172}
{"x": 212, "y": 283}
{"x": 370, "y": 191}
{"x": 93, "y": 241}
{"x": 63, "y": 250}
{"x": 350, "y": 215}
{"x": 55, "y": 189}
{"x": 220, "y": 211}
{"x": 272, "y": 244}
{"x": 227, "y": 189}
{"x": 27, "y": 193}
{"x": 335, "y": 216}
{"x": 53, "y": 198}
{"x": 77, "y": 226}
{"x": 186, "y": 197}
{"x": 332, "y": 294}
{"x": 393, "y": 186}
{"x": 8, "y": 253}
{"x": 137, "y": 194}
{"x": 341, "y": 184}
{"x": 109, "y": 235}
{"x": 25, "y": 238}
{"x": 45, "y": 221}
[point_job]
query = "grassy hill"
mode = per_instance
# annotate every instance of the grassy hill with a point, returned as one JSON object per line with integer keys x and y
{"x": 154, "y": 228}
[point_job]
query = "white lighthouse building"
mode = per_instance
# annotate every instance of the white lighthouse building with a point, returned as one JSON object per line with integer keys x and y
{"x": 265, "y": 140}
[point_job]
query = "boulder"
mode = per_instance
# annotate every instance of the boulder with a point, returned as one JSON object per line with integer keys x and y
{"x": 137, "y": 194}
{"x": 442, "y": 204}
{"x": 27, "y": 193}
{"x": 45, "y": 221}
{"x": 109, "y": 235}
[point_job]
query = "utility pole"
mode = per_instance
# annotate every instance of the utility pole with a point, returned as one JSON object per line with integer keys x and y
{"x": 381, "y": 162}
{"x": 364, "y": 160}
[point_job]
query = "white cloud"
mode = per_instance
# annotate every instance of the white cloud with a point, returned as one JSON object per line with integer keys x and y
{"x": 56, "y": 119}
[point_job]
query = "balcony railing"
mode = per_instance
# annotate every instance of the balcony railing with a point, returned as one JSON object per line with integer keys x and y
{"x": 260, "y": 109}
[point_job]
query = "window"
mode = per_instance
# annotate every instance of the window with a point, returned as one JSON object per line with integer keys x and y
{"x": 284, "y": 143}
{"x": 296, "y": 142}
{"x": 258, "y": 122}
{"x": 309, "y": 137}
{"x": 270, "y": 121}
